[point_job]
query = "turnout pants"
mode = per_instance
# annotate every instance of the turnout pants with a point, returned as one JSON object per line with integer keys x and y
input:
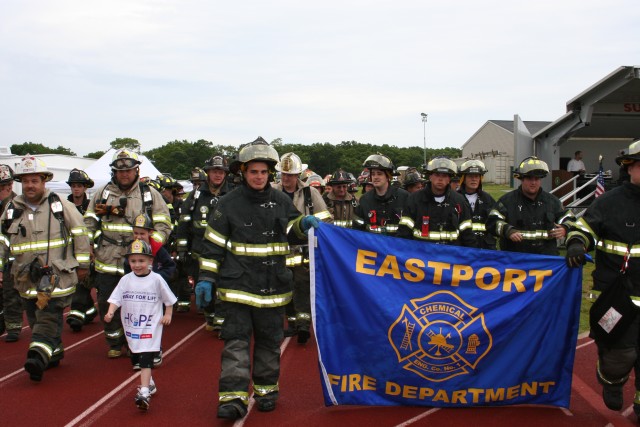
{"x": 615, "y": 362}
{"x": 113, "y": 331}
{"x": 82, "y": 304}
{"x": 302, "y": 297}
{"x": 10, "y": 305}
{"x": 46, "y": 327}
{"x": 240, "y": 324}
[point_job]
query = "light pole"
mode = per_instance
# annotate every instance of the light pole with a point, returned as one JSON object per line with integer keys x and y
{"x": 424, "y": 125}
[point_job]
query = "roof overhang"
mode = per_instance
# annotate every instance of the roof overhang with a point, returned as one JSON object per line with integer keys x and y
{"x": 609, "y": 109}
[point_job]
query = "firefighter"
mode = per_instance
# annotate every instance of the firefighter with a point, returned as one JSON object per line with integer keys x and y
{"x": 198, "y": 177}
{"x": 83, "y": 307}
{"x": 244, "y": 251}
{"x": 340, "y": 203}
{"x": 528, "y": 219}
{"x": 611, "y": 227}
{"x": 436, "y": 213}
{"x": 316, "y": 182}
{"x": 50, "y": 243}
{"x": 179, "y": 285}
{"x": 308, "y": 201}
{"x": 193, "y": 221}
{"x": 479, "y": 201}
{"x": 380, "y": 210}
{"x": 109, "y": 216}
{"x": 413, "y": 182}
{"x": 10, "y": 302}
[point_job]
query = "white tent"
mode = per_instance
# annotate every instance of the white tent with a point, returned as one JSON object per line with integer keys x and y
{"x": 100, "y": 172}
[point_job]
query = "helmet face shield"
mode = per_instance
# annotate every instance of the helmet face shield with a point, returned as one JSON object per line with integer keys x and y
{"x": 124, "y": 164}
{"x": 442, "y": 165}
{"x": 378, "y": 161}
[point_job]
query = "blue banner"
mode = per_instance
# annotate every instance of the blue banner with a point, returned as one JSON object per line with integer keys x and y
{"x": 403, "y": 322}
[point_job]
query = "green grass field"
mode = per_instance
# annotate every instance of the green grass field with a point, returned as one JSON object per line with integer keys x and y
{"x": 587, "y": 282}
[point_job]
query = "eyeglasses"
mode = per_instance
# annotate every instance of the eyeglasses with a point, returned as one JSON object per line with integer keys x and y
{"x": 124, "y": 164}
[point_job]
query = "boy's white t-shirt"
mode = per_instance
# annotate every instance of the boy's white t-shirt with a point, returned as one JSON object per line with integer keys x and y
{"x": 140, "y": 300}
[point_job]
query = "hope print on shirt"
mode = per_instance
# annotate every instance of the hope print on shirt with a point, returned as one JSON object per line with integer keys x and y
{"x": 141, "y": 300}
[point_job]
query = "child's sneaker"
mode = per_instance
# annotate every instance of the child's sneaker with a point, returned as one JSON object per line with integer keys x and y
{"x": 136, "y": 367}
{"x": 143, "y": 400}
{"x": 152, "y": 389}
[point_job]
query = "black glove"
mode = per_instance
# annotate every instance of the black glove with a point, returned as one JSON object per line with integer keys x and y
{"x": 575, "y": 254}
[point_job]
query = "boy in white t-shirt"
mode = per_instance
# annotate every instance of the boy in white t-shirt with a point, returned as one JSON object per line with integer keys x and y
{"x": 141, "y": 295}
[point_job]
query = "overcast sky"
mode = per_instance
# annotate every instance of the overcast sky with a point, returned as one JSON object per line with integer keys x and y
{"x": 82, "y": 73}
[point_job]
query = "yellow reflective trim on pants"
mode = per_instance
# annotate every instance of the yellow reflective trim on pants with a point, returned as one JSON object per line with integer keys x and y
{"x": 114, "y": 334}
{"x": 228, "y": 396}
{"x": 262, "y": 390}
{"x": 41, "y": 346}
{"x": 76, "y": 313}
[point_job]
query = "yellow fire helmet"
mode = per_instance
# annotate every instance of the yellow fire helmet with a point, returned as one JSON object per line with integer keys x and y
{"x": 531, "y": 166}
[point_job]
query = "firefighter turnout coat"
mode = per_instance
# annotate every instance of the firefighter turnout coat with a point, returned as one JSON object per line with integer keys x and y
{"x": 311, "y": 205}
{"x": 445, "y": 222}
{"x": 380, "y": 214}
{"x": 194, "y": 213}
{"x": 112, "y": 233}
{"x": 37, "y": 237}
{"x": 532, "y": 218}
{"x": 245, "y": 246}
{"x": 342, "y": 211}
{"x": 611, "y": 226}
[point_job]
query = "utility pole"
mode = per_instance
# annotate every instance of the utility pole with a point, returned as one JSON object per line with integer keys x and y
{"x": 424, "y": 125}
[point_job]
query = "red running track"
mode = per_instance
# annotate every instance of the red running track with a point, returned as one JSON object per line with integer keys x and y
{"x": 88, "y": 389}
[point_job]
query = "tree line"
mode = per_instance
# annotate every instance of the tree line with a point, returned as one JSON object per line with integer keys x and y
{"x": 178, "y": 158}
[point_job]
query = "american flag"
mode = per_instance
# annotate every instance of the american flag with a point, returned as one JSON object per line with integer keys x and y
{"x": 600, "y": 182}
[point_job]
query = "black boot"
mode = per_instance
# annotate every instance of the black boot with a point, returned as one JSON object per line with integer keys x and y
{"x": 35, "y": 367}
{"x": 611, "y": 390}
{"x": 303, "y": 336}
{"x": 12, "y": 336}
{"x": 75, "y": 323}
{"x": 232, "y": 410}
{"x": 612, "y": 396}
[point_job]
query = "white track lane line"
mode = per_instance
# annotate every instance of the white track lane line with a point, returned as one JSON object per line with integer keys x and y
{"x": 13, "y": 374}
{"x": 108, "y": 397}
